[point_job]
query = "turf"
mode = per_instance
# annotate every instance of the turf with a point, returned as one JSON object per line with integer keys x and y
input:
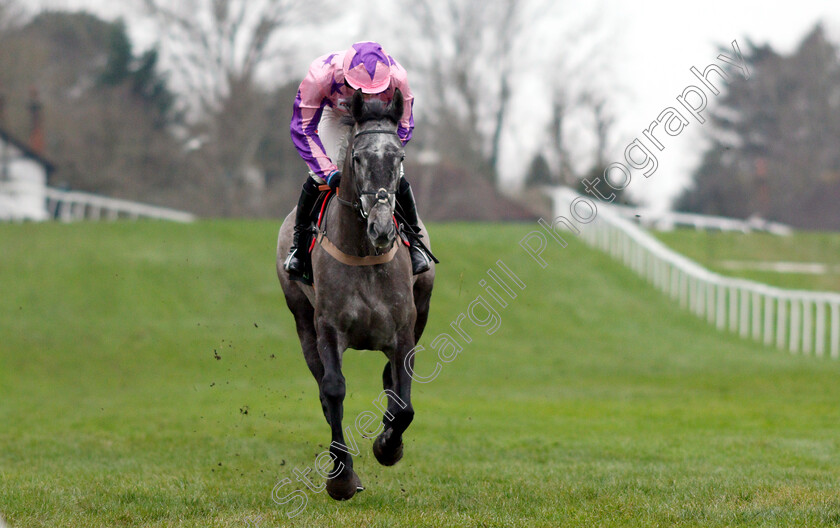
{"x": 712, "y": 249}
{"x": 150, "y": 376}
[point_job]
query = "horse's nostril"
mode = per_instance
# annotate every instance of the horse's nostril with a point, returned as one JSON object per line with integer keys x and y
{"x": 380, "y": 235}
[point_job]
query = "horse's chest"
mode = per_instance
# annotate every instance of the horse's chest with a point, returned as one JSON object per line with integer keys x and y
{"x": 389, "y": 311}
{"x": 373, "y": 321}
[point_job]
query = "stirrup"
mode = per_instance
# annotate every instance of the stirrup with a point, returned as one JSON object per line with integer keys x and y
{"x": 303, "y": 273}
{"x": 418, "y": 267}
{"x": 415, "y": 240}
{"x": 288, "y": 262}
{"x": 304, "y": 276}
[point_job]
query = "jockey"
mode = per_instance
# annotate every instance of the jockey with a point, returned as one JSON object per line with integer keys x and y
{"x": 321, "y": 138}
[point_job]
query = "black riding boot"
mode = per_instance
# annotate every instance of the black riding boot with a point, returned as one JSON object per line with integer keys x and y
{"x": 297, "y": 262}
{"x": 420, "y": 257}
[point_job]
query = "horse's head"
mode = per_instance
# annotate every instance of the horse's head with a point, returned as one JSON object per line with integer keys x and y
{"x": 373, "y": 160}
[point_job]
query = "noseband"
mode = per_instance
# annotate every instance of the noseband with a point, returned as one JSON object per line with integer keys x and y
{"x": 383, "y": 195}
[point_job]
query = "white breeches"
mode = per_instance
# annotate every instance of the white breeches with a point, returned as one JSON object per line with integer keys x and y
{"x": 334, "y": 136}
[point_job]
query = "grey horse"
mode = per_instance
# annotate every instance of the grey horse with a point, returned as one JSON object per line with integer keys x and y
{"x": 363, "y": 294}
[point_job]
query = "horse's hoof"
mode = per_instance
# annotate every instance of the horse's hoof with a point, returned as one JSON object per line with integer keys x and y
{"x": 385, "y": 455}
{"x": 344, "y": 487}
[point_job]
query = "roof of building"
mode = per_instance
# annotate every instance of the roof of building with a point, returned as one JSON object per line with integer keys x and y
{"x": 26, "y": 149}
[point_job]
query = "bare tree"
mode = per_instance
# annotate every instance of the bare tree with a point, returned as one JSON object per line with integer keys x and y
{"x": 599, "y": 124}
{"x": 602, "y": 126}
{"x": 555, "y": 150}
{"x": 578, "y": 83}
{"x": 218, "y": 51}
{"x": 471, "y": 46}
{"x": 214, "y": 46}
{"x": 510, "y": 24}
{"x": 475, "y": 56}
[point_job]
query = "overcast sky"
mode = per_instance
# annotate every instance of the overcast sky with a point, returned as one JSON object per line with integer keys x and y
{"x": 656, "y": 42}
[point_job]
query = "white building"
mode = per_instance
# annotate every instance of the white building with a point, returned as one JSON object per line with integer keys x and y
{"x": 23, "y": 180}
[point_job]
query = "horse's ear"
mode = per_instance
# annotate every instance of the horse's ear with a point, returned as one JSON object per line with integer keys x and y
{"x": 357, "y": 106}
{"x": 395, "y": 109}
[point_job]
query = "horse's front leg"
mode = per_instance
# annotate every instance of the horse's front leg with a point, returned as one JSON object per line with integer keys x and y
{"x": 388, "y": 447}
{"x": 342, "y": 481}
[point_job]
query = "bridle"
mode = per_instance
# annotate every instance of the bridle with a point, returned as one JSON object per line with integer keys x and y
{"x": 383, "y": 196}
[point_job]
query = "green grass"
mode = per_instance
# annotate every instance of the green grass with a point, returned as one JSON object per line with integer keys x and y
{"x": 596, "y": 403}
{"x": 713, "y": 249}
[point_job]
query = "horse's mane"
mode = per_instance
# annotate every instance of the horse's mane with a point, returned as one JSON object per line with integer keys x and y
{"x": 374, "y": 110}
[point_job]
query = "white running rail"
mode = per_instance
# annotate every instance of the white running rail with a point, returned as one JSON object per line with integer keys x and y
{"x": 69, "y": 206}
{"x": 801, "y": 321}
{"x": 668, "y": 220}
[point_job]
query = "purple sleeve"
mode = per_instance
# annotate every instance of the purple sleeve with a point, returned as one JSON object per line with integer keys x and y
{"x": 399, "y": 79}
{"x": 308, "y": 107}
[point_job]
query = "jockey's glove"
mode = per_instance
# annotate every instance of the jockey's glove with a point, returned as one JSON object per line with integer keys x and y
{"x": 334, "y": 180}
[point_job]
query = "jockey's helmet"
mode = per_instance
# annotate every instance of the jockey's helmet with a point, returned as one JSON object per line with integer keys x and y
{"x": 367, "y": 67}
